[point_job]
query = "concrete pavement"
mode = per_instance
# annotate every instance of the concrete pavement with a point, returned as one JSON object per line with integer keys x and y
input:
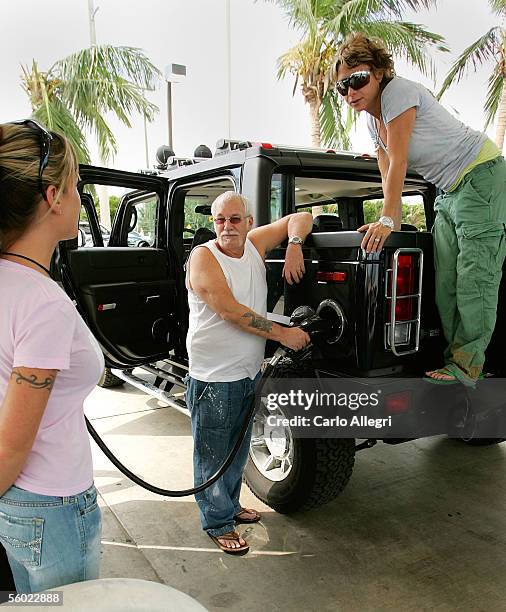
{"x": 421, "y": 525}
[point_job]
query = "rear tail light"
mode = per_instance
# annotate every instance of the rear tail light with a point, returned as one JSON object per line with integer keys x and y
{"x": 398, "y": 403}
{"x": 403, "y": 325}
{"x": 332, "y": 277}
{"x": 405, "y": 286}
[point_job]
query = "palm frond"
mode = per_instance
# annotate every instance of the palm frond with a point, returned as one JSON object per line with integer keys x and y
{"x": 291, "y": 61}
{"x": 108, "y": 62}
{"x": 494, "y": 93}
{"x": 351, "y": 12}
{"x": 476, "y": 54}
{"x": 57, "y": 118}
{"x": 498, "y": 7}
{"x": 300, "y": 13}
{"x": 398, "y": 7}
{"x": 106, "y": 141}
{"x": 103, "y": 79}
{"x": 334, "y": 131}
{"x": 112, "y": 78}
{"x": 409, "y": 41}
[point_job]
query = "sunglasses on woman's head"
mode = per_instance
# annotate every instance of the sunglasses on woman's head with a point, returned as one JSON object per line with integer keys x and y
{"x": 356, "y": 80}
{"x": 45, "y": 142}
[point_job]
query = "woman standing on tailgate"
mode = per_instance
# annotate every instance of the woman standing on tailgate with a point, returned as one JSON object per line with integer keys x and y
{"x": 410, "y": 127}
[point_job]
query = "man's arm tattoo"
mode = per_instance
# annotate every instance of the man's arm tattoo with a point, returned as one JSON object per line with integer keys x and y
{"x": 258, "y": 322}
{"x": 33, "y": 382}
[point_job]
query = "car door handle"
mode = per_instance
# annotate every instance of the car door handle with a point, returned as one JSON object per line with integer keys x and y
{"x": 150, "y": 298}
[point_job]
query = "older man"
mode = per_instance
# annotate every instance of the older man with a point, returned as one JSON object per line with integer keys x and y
{"x": 227, "y": 295}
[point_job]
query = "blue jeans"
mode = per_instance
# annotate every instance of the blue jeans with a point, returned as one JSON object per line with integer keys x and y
{"x": 50, "y": 541}
{"x": 218, "y": 411}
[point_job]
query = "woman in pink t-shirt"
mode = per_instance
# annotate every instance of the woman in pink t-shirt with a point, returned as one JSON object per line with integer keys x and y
{"x": 50, "y": 523}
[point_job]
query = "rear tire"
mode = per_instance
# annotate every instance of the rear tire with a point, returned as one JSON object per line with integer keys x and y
{"x": 290, "y": 474}
{"x": 482, "y": 441}
{"x": 108, "y": 380}
{"x": 321, "y": 469}
{"x": 476, "y": 432}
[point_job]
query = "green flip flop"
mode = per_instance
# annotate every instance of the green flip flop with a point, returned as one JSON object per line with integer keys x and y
{"x": 442, "y": 381}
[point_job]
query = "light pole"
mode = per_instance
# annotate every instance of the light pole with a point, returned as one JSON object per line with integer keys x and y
{"x": 103, "y": 193}
{"x": 174, "y": 73}
{"x": 229, "y": 67}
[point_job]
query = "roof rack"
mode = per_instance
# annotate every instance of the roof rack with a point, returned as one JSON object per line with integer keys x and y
{"x": 224, "y": 145}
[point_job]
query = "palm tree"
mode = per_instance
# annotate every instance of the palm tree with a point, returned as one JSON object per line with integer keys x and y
{"x": 77, "y": 92}
{"x": 490, "y": 46}
{"x": 324, "y": 25}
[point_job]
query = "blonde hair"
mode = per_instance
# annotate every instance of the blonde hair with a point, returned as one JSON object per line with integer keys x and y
{"x": 358, "y": 48}
{"x": 19, "y": 176}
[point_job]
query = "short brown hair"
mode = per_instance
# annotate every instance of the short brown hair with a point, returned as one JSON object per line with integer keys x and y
{"x": 19, "y": 176}
{"x": 358, "y": 48}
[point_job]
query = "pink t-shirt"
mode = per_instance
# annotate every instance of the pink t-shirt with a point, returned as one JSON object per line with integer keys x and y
{"x": 40, "y": 328}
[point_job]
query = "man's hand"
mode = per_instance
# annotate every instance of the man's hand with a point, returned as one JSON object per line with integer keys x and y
{"x": 294, "y": 338}
{"x": 293, "y": 270}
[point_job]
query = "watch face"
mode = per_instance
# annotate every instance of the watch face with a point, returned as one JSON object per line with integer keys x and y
{"x": 295, "y": 240}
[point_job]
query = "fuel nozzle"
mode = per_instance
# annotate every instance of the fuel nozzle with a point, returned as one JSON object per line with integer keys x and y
{"x": 326, "y": 325}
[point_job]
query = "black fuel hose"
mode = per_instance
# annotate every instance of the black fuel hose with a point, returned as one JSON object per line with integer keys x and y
{"x": 168, "y": 492}
{"x": 218, "y": 474}
{"x": 281, "y": 352}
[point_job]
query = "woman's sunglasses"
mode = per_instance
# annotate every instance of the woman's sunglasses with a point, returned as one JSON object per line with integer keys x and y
{"x": 45, "y": 143}
{"x": 357, "y": 80}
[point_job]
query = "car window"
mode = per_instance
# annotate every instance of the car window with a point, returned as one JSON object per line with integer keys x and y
{"x": 276, "y": 197}
{"x": 142, "y": 230}
{"x": 86, "y": 237}
{"x": 344, "y": 199}
{"x": 193, "y": 211}
{"x": 413, "y": 212}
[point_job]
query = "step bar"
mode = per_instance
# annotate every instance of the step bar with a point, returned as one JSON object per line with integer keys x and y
{"x": 150, "y": 389}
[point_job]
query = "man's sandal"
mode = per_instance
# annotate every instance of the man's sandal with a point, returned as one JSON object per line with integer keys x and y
{"x": 242, "y": 517}
{"x": 230, "y": 536}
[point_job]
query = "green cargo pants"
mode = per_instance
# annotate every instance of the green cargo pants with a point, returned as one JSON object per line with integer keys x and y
{"x": 469, "y": 251}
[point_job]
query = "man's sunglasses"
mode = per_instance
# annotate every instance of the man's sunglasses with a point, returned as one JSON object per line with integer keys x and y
{"x": 45, "y": 139}
{"x": 357, "y": 80}
{"x": 234, "y": 220}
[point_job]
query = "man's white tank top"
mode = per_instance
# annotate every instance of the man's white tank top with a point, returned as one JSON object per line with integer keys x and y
{"x": 219, "y": 351}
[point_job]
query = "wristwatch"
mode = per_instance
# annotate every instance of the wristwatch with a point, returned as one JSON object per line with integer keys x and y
{"x": 295, "y": 240}
{"x": 387, "y": 222}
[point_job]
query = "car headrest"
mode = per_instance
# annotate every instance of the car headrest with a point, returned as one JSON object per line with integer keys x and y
{"x": 202, "y": 234}
{"x": 327, "y": 222}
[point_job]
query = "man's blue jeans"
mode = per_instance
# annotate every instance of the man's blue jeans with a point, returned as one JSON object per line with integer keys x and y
{"x": 50, "y": 541}
{"x": 218, "y": 411}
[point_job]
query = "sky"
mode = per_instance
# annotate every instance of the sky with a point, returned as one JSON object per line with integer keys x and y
{"x": 194, "y": 33}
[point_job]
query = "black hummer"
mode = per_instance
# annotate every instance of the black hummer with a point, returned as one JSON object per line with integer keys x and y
{"x": 385, "y": 322}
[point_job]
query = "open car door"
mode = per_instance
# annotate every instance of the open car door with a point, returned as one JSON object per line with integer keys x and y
{"x": 125, "y": 293}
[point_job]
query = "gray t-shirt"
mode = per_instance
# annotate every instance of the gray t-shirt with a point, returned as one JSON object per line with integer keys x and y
{"x": 440, "y": 146}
